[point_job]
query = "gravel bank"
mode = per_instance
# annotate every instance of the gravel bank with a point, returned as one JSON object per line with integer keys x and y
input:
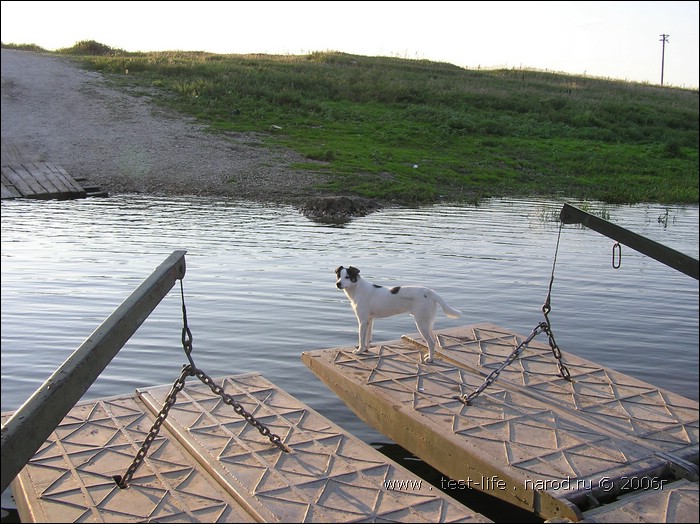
{"x": 54, "y": 111}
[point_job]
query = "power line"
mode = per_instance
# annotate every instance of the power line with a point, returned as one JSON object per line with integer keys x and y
{"x": 664, "y": 40}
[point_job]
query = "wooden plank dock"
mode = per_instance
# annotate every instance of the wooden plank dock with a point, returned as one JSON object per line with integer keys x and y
{"x": 42, "y": 180}
{"x": 604, "y": 447}
{"x": 208, "y": 464}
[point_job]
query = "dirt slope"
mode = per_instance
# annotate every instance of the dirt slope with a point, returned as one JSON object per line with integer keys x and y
{"x": 54, "y": 111}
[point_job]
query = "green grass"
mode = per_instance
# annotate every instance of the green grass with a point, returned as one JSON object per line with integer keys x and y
{"x": 365, "y": 122}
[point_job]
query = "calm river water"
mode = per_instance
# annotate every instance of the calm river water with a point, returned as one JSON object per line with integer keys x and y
{"x": 260, "y": 287}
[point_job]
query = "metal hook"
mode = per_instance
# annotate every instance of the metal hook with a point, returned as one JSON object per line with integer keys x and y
{"x": 616, "y": 247}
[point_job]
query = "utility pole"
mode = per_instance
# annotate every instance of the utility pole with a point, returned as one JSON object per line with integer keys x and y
{"x": 664, "y": 40}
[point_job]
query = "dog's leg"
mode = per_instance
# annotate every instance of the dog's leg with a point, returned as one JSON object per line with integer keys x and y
{"x": 425, "y": 318}
{"x": 430, "y": 340}
{"x": 426, "y": 331}
{"x": 368, "y": 334}
{"x": 364, "y": 327}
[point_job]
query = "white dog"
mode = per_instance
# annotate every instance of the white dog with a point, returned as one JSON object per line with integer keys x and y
{"x": 370, "y": 301}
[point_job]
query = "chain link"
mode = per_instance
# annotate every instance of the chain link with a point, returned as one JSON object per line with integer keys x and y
{"x": 616, "y": 255}
{"x": 188, "y": 371}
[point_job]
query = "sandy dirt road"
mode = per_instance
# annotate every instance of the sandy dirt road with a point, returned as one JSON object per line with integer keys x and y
{"x": 54, "y": 111}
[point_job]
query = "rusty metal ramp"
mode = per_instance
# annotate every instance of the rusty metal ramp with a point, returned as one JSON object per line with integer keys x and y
{"x": 208, "y": 464}
{"x": 531, "y": 438}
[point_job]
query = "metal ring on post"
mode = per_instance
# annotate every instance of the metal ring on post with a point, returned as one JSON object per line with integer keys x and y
{"x": 616, "y": 247}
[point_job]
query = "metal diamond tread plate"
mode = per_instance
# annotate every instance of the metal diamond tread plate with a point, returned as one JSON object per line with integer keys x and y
{"x": 329, "y": 475}
{"x": 547, "y": 449}
{"x": 208, "y": 465}
{"x": 69, "y": 479}
{"x": 608, "y": 399}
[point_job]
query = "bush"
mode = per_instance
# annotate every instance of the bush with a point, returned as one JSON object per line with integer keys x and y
{"x": 672, "y": 149}
{"x": 25, "y": 47}
{"x": 90, "y": 48}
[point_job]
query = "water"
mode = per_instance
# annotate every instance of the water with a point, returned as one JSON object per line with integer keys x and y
{"x": 260, "y": 287}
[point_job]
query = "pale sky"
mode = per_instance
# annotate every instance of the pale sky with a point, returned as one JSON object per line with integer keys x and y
{"x": 618, "y": 40}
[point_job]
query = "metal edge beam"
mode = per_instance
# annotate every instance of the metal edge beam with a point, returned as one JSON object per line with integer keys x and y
{"x": 29, "y": 427}
{"x": 672, "y": 258}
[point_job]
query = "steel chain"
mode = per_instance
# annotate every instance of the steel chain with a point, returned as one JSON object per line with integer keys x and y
{"x": 187, "y": 371}
{"x": 123, "y": 481}
{"x": 545, "y": 327}
{"x": 467, "y": 399}
{"x": 547, "y": 308}
{"x": 228, "y": 399}
{"x": 240, "y": 410}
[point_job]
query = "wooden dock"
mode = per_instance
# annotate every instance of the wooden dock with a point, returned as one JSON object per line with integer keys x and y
{"x": 208, "y": 464}
{"x": 604, "y": 447}
{"x": 42, "y": 180}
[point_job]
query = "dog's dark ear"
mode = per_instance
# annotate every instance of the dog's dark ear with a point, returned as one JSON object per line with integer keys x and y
{"x": 338, "y": 270}
{"x": 353, "y": 272}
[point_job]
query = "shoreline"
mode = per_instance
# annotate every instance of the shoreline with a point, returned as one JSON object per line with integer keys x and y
{"x": 54, "y": 111}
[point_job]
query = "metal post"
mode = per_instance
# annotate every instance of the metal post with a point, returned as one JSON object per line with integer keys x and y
{"x": 29, "y": 427}
{"x": 664, "y": 39}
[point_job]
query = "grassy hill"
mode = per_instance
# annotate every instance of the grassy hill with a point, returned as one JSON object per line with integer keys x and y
{"x": 414, "y": 131}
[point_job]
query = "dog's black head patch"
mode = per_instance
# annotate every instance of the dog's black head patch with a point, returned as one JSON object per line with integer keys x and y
{"x": 351, "y": 271}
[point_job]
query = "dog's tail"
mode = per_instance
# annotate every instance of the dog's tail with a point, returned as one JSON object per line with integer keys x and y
{"x": 450, "y": 312}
